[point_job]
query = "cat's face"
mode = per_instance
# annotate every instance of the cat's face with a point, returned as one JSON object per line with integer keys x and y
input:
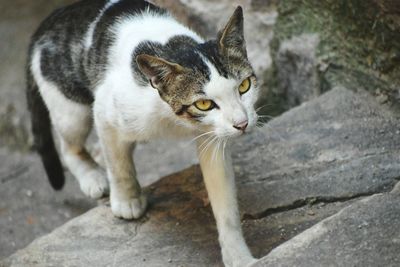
{"x": 227, "y": 105}
{"x": 214, "y": 89}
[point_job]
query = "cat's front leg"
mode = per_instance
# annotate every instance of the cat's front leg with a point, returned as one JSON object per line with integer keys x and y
{"x": 126, "y": 197}
{"x": 220, "y": 183}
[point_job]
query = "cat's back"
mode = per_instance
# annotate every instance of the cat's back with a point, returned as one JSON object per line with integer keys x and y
{"x": 72, "y": 45}
{"x": 67, "y": 23}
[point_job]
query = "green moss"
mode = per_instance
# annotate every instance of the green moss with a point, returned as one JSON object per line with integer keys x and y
{"x": 354, "y": 35}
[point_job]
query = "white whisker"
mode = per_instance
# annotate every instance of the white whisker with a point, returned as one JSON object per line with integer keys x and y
{"x": 266, "y": 105}
{"x": 200, "y": 135}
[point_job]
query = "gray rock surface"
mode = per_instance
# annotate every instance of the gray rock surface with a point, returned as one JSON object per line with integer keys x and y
{"x": 366, "y": 233}
{"x": 296, "y": 64}
{"x": 334, "y": 156}
{"x": 28, "y": 206}
{"x": 340, "y": 146}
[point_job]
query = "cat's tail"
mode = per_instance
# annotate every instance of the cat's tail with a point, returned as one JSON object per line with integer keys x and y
{"x": 43, "y": 137}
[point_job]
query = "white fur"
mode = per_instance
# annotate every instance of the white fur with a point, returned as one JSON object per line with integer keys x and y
{"x": 220, "y": 183}
{"x": 234, "y": 108}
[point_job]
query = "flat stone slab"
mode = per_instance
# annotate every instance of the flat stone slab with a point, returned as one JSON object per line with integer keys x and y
{"x": 178, "y": 230}
{"x": 366, "y": 233}
{"x": 312, "y": 162}
{"x": 340, "y": 146}
{"x": 29, "y": 207}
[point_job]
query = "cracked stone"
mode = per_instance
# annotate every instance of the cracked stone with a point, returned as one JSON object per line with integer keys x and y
{"x": 363, "y": 234}
{"x": 283, "y": 165}
{"x": 283, "y": 175}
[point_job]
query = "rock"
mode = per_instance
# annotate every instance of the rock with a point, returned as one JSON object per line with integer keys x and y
{"x": 323, "y": 158}
{"x": 177, "y": 228}
{"x": 355, "y": 50}
{"x": 28, "y": 205}
{"x": 340, "y": 146}
{"x": 297, "y": 69}
{"x": 365, "y": 234}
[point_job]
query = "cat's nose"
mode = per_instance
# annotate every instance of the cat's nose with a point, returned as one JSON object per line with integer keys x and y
{"x": 241, "y": 126}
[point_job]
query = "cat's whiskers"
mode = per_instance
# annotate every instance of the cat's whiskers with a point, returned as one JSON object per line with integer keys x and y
{"x": 200, "y": 135}
{"x": 266, "y": 116}
{"x": 263, "y": 106}
{"x": 207, "y": 143}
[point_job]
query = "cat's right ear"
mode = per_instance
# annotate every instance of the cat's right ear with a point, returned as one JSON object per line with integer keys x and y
{"x": 231, "y": 38}
{"x": 160, "y": 72}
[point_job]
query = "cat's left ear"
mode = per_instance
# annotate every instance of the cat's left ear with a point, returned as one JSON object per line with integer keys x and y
{"x": 160, "y": 72}
{"x": 231, "y": 38}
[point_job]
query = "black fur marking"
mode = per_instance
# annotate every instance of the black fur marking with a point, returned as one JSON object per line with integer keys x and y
{"x": 210, "y": 51}
{"x": 179, "y": 49}
{"x": 60, "y": 36}
{"x": 196, "y": 117}
{"x": 182, "y": 110}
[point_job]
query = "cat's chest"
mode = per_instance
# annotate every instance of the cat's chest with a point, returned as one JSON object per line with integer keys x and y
{"x": 144, "y": 128}
{"x": 148, "y": 118}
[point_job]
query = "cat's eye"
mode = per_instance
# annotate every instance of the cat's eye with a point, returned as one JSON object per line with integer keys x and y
{"x": 244, "y": 86}
{"x": 204, "y": 104}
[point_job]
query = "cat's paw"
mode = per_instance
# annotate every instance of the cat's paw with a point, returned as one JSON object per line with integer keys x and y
{"x": 249, "y": 262}
{"x": 94, "y": 184}
{"x": 246, "y": 262}
{"x": 132, "y": 208}
{"x": 238, "y": 259}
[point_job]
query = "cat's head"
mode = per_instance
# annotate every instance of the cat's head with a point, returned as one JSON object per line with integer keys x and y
{"x": 210, "y": 85}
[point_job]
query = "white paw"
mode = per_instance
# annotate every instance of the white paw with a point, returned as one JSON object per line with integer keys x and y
{"x": 238, "y": 257}
{"x": 94, "y": 184}
{"x": 132, "y": 208}
{"x": 243, "y": 262}
{"x": 250, "y": 262}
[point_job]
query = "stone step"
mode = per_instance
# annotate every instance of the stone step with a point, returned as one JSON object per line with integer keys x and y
{"x": 337, "y": 155}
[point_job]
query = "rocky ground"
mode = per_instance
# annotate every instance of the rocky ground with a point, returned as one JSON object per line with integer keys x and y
{"x": 318, "y": 185}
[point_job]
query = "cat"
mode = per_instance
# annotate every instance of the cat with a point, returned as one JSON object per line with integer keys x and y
{"x": 133, "y": 71}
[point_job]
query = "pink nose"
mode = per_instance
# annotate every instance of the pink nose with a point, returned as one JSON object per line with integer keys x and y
{"x": 241, "y": 126}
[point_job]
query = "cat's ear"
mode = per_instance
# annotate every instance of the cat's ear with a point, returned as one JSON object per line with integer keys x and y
{"x": 231, "y": 38}
{"x": 159, "y": 71}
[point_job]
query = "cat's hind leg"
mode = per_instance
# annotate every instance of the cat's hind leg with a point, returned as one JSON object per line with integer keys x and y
{"x": 72, "y": 122}
{"x": 92, "y": 179}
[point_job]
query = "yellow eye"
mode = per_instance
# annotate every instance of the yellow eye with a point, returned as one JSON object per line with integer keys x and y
{"x": 204, "y": 104}
{"x": 244, "y": 86}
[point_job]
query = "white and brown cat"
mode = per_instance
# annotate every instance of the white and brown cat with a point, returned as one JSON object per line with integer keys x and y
{"x": 131, "y": 69}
